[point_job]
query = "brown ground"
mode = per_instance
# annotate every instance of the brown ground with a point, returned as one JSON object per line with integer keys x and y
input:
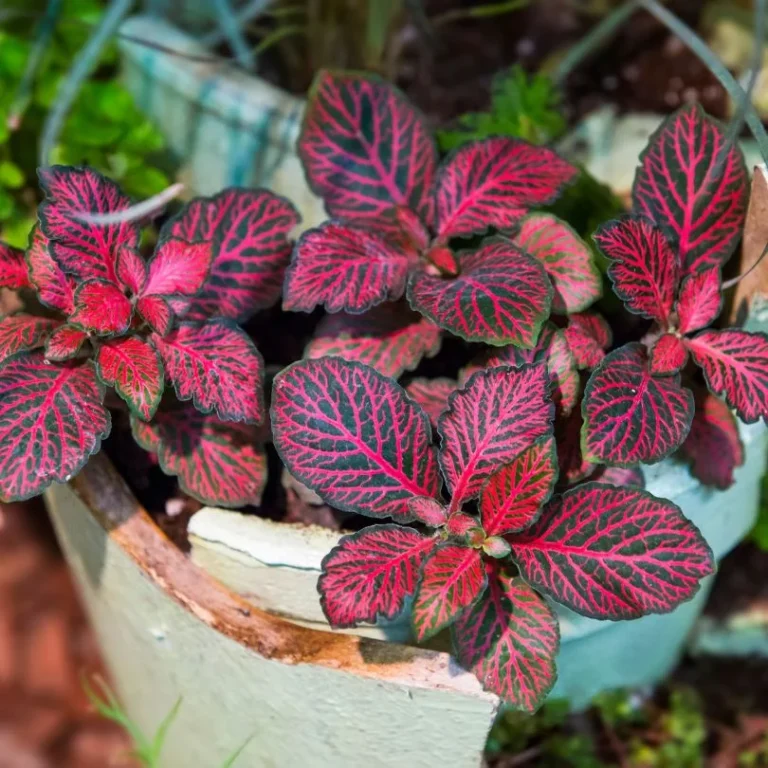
{"x": 46, "y": 649}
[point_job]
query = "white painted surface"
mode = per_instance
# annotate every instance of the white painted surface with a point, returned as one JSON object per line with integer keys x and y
{"x": 384, "y": 705}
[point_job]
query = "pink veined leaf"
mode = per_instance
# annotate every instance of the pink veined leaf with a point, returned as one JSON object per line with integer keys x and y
{"x": 147, "y": 435}
{"x": 177, "y": 267}
{"x": 573, "y": 466}
{"x": 588, "y": 336}
{"x": 432, "y": 395}
{"x": 512, "y": 498}
{"x": 460, "y": 524}
{"x": 365, "y": 148}
{"x": 498, "y": 414}
{"x": 700, "y": 300}
{"x": 52, "y": 419}
{"x": 451, "y": 580}
{"x": 622, "y": 477}
{"x": 613, "y": 553}
{"x": 735, "y": 365}
{"x": 354, "y": 437}
{"x": 22, "y": 332}
{"x": 131, "y": 270}
{"x": 494, "y": 182}
{"x": 216, "y": 462}
{"x": 344, "y": 268}
{"x": 568, "y": 260}
{"x": 156, "y": 312}
{"x": 552, "y": 348}
{"x": 428, "y": 510}
{"x": 668, "y": 355}
{"x": 630, "y": 416}
{"x": 501, "y": 296}
{"x": 54, "y": 289}
{"x": 509, "y": 639}
{"x": 216, "y": 366}
{"x": 248, "y": 230}
{"x": 133, "y": 368}
{"x": 676, "y": 187}
{"x": 64, "y": 343}
{"x": 101, "y": 308}
{"x": 13, "y": 268}
{"x": 390, "y": 338}
{"x": 713, "y": 446}
{"x": 83, "y": 249}
{"x": 644, "y": 269}
{"x": 402, "y": 226}
{"x": 371, "y": 573}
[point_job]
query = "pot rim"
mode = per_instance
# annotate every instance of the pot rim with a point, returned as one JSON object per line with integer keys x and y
{"x": 108, "y": 499}
{"x": 309, "y": 543}
{"x": 216, "y": 87}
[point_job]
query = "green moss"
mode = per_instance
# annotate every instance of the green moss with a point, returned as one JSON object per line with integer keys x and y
{"x": 759, "y": 533}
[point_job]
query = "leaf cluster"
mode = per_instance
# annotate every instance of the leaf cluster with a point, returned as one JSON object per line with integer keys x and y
{"x": 111, "y": 318}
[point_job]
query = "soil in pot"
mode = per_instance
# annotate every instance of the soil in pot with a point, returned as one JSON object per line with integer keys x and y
{"x": 447, "y": 68}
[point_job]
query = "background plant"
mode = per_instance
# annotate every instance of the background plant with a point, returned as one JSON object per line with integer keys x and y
{"x": 104, "y": 129}
{"x": 147, "y": 751}
{"x": 522, "y": 105}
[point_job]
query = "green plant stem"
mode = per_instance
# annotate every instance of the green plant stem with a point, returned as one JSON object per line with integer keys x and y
{"x": 478, "y": 12}
{"x": 247, "y": 13}
{"x": 81, "y": 68}
{"x": 278, "y": 34}
{"x": 593, "y": 40}
{"x": 230, "y": 28}
{"x": 718, "y": 69}
{"x": 24, "y": 91}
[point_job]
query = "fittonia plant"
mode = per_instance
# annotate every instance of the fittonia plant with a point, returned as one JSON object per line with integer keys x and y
{"x": 482, "y": 561}
{"x": 113, "y": 319}
{"x": 397, "y": 214}
{"x": 478, "y": 542}
{"x": 665, "y": 265}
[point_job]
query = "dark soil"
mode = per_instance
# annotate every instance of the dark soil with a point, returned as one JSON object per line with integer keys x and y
{"x": 448, "y": 69}
{"x": 642, "y": 68}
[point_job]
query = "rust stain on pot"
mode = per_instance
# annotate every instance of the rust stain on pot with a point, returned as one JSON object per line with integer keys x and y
{"x": 106, "y": 495}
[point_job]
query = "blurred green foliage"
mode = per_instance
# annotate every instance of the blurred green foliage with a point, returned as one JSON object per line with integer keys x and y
{"x": 104, "y": 128}
{"x": 552, "y": 743}
{"x": 682, "y": 736}
{"x": 522, "y": 105}
{"x": 759, "y": 533}
{"x": 620, "y": 725}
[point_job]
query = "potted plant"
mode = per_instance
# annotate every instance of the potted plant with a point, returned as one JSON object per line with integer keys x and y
{"x": 535, "y": 507}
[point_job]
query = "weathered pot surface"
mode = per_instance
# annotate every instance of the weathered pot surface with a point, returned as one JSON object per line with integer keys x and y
{"x": 168, "y": 630}
{"x": 231, "y": 128}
